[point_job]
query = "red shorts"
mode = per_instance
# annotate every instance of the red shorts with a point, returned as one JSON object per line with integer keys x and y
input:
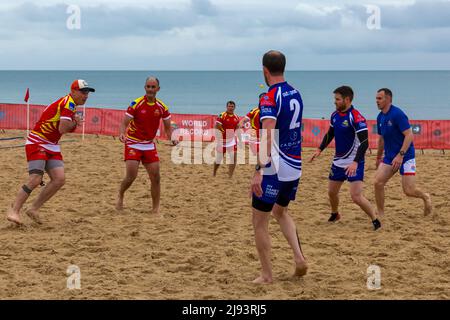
{"x": 147, "y": 156}
{"x": 37, "y": 152}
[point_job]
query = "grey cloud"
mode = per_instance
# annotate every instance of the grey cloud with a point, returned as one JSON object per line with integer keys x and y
{"x": 205, "y": 34}
{"x": 98, "y": 21}
{"x": 204, "y": 7}
{"x": 102, "y": 21}
{"x": 420, "y": 15}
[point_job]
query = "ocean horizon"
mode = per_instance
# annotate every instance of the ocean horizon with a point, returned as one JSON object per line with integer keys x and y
{"x": 422, "y": 94}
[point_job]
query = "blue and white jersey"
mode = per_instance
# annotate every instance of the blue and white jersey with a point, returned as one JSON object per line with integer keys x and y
{"x": 284, "y": 104}
{"x": 391, "y": 126}
{"x": 346, "y": 125}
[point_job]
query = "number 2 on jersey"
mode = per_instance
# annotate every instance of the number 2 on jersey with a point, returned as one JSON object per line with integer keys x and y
{"x": 295, "y": 106}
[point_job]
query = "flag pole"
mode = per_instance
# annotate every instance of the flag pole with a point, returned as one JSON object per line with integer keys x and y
{"x": 27, "y": 99}
{"x": 28, "y": 117}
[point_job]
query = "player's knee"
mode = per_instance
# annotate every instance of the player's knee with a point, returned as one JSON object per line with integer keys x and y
{"x": 277, "y": 214}
{"x": 130, "y": 177}
{"x": 155, "y": 177}
{"x": 409, "y": 191}
{"x": 259, "y": 222}
{"x": 356, "y": 197}
{"x": 59, "y": 181}
{"x": 378, "y": 183}
{"x": 34, "y": 181}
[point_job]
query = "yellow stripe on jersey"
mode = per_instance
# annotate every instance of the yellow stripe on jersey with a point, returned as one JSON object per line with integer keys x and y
{"x": 39, "y": 134}
{"x": 65, "y": 103}
{"x": 46, "y": 127}
{"x": 163, "y": 104}
{"x": 56, "y": 116}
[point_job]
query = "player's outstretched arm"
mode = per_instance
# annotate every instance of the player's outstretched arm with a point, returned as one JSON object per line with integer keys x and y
{"x": 325, "y": 142}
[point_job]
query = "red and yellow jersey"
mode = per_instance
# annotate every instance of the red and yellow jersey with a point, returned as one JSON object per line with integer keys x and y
{"x": 253, "y": 116}
{"x": 145, "y": 119}
{"x": 228, "y": 122}
{"x": 46, "y": 130}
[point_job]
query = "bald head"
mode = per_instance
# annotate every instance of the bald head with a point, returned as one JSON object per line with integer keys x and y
{"x": 275, "y": 62}
{"x": 153, "y": 79}
{"x": 151, "y": 88}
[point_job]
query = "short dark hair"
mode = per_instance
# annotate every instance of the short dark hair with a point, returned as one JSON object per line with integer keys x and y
{"x": 231, "y": 102}
{"x": 148, "y": 78}
{"x": 386, "y": 91}
{"x": 274, "y": 61}
{"x": 345, "y": 92}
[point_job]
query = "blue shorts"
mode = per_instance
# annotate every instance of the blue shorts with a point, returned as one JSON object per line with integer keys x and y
{"x": 338, "y": 173}
{"x": 408, "y": 167}
{"x": 275, "y": 191}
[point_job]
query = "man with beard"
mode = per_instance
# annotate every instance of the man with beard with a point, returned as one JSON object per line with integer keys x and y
{"x": 349, "y": 129}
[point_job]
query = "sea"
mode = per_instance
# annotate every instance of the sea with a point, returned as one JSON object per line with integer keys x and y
{"x": 423, "y": 95}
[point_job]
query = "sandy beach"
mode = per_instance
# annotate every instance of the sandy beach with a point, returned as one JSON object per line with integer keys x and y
{"x": 203, "y": 247}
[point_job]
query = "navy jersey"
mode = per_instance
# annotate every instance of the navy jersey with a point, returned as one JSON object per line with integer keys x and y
{"x": 284, "y": 104}
{"x": 346, "y": 125}
{"x": 391, "y": 126}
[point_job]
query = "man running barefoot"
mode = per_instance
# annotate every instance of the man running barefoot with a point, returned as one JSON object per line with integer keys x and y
{"x": 278, "y": 171}
{"x": 396, "y": 140}
{"x": 137, "y": 131}
{"x": 44, "y": 153}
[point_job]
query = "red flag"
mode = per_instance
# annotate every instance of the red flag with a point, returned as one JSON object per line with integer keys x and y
{"x": 27, "y": 95}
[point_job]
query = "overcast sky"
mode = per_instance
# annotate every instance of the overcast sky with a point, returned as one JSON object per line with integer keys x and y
{"x": 224, "y": 34}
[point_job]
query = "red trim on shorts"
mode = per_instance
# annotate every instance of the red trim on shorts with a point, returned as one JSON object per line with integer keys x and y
{"x": 409, "y": 174}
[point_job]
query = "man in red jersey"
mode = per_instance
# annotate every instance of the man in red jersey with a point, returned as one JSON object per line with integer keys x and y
{"x": 137, "y": 132}
{"x": 227, "y": 122}
{"x": 44, "y": 153}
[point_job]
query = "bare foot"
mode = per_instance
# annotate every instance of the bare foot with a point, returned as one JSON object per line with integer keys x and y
{"x": 156, "y": 213}
{"x": 379, "y": 213}
{"x": 34, "y": 215}
{"x": 300, "y": 269}
{"x": 13, "y": 217}
{"x": 428, "y": 206}
{"x": 119, "y": 204}
{"x": 262, "y": 280}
